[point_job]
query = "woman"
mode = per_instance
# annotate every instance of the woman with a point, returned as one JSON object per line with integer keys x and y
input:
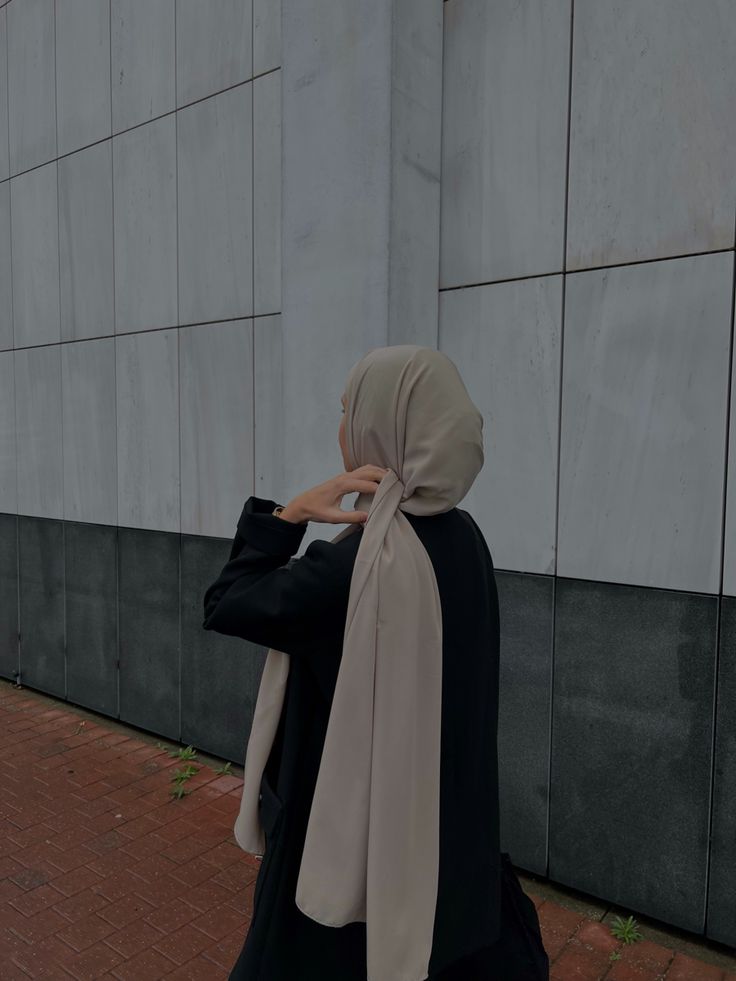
{"x": 371, "y": 782}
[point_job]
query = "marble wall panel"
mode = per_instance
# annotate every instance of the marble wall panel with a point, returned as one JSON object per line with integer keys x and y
{"x": 147, "y": 391}
{"x": 86, "y": 262}
{"x": 214, "y": 47}
{"x": 644, "y": 408}
{"x": 38, "y": 413}
{"x": 652, "y": 131}
{"x": 144, "y": 189}
{"x": 83, "y": 113}
{"x": 35, "y": 248}
{"x": 89, "y": 431}
{"x": 504, "y": 139}
{"x": 505, "y": 339}
{"x": 31, "y": 83}
{"x": 216, "y": 404}
{"x": 267, "y": 193}
{"x": 143, "y": 58}
{"x": 215, "y": 161}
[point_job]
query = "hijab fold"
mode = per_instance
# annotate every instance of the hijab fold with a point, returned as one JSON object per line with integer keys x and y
{"x": 371, "y": 851}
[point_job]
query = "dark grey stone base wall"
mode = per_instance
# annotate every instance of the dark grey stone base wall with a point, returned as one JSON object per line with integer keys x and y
{"x": 617, "y": 724}
{"x": 111, "y": 619}
{"x": 632, "y": 717}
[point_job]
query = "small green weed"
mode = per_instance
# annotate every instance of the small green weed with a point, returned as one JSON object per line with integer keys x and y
{"x": 186, "y": 772}
{"x": 626, "y": 930}
{"x": 180, "y": 777}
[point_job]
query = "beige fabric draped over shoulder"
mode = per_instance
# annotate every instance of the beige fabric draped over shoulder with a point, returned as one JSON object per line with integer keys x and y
{"x": 371, "y": 852}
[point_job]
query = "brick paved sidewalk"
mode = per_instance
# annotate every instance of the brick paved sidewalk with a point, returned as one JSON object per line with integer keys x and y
{"x": 104, "y": 875}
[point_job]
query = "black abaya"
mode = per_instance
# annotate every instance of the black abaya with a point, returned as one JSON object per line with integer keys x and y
{"x": 300, "y": 607}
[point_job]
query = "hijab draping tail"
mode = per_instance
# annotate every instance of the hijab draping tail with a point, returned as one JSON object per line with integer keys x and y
{"x": 371, "y": 851}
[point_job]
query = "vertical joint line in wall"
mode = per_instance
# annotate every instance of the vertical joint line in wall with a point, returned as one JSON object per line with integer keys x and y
{"x": 253, "y": 479}
{"x": 176, "y": 200}
{"x": 117, "y": 622}
{"x": 115, "y": 396}
{"x": 61, "y": 374}
{"x": 563, "y": 299}
{"x": 728, "y": 411}
{"x": 391, "y": 175}
{"x": 63, "y": 522}
{"x": 58, "y": 296}
{"x": 15, "y": 384}
{"x": 18, "y": 637}
{"x": 569, "y": 134}
{"x": 178, "y": 367}
{"x": 10, "y": 228}
{"x": 56, "y": 99}
{"x": 439, "y": 208}
{"x": 719, "y": 604}
{"x": 554, "y": 575}
{"x": 179, "y": 619}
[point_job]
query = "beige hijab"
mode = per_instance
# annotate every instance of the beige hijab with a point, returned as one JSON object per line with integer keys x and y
{"x": 371, "y": 852}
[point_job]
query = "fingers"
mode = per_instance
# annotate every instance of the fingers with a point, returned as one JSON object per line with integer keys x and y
{"x": 360, "y": 479}
{"x": 366, "y": 473}
{"x": 354, "y": 517}
{"x": 370, "y": 468}
{"x": 338, "y": 516}
{"x": 367, "y": 486}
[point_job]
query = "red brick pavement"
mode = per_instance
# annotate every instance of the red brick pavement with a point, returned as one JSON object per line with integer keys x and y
{"x": 103, "y": 875}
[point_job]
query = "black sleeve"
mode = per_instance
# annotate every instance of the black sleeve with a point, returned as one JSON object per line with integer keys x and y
{"x": 263, "y": 597}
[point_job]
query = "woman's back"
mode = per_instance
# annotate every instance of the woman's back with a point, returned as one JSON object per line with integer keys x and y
{"x": 467, "y": 914}
{"x": 282, "y": 942}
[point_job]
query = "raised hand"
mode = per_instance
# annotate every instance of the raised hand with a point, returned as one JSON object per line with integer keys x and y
{"x": 322, "y": 503}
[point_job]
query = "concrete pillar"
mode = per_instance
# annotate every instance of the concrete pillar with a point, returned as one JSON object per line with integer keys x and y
{"x": 361, "y": 129}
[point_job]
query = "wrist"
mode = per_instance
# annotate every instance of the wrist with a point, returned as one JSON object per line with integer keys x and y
{"x": 292, "y": 512}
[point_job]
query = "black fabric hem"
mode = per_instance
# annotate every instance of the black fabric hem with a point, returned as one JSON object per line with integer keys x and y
{"x": 265, "y": 531}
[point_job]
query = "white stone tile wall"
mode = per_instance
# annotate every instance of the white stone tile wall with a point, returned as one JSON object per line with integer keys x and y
{"x": 140, "y": 256}
{"x": 590, "y": 153}
{"x": 564, "y": 230}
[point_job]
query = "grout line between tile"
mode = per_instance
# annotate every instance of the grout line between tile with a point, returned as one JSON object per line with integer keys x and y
{"x": 719, "y": 603}
{"x": 553, "y": 631}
